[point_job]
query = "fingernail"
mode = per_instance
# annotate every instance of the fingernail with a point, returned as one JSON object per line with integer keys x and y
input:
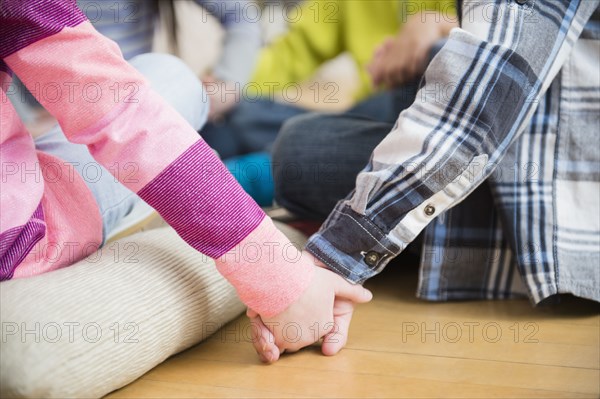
{"x": 270, "y": 356}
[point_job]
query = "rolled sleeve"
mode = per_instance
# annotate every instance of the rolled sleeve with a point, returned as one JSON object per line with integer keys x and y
{"x": 353, "y": 246}
{"x": 478, "y": 95}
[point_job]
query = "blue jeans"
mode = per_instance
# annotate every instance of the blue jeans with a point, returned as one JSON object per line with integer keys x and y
{"x": 177, "y": 85}
{"x": 254, "y": 125}
{"x": 251, "y": 126}
{"x": 245, "y": 138}
{"x": 317, "y": 157}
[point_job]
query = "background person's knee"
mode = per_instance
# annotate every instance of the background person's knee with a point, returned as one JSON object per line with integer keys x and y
{"x": 177, "y": 84}
{"x": 297, "y": 159}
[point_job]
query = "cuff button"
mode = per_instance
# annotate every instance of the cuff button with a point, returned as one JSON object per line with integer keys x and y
{"x": 429, "y": 210}
{"x": 372, "y": 258}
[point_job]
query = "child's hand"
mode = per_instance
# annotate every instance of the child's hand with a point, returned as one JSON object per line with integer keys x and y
{"x": 403, "y": 58}
{"x": 223, "y": 97}
{"x": 323, "y": 311}
{"x": 376, "y": 68}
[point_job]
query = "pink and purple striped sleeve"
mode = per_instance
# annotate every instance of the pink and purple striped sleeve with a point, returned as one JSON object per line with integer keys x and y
{"x": 104, "y": 103}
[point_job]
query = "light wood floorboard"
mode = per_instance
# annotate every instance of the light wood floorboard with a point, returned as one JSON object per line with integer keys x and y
{"x": 403, "y": 347}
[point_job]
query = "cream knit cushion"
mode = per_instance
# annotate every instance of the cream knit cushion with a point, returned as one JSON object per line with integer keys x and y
{"x": 91, "y": 328}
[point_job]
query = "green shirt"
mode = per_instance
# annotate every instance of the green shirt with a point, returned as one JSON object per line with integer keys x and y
{"x": 322, "y": 29}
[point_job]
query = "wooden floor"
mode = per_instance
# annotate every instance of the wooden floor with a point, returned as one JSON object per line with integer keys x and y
{"x": 402, "y": 347}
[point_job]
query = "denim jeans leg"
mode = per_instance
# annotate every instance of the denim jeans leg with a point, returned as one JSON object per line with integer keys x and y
{"x": 316, "y": 159}
{"x": 252, "y": 126}
{"x": 387, "y": 105}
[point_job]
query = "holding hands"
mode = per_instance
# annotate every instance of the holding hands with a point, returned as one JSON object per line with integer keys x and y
{"x": 323, "y": 311}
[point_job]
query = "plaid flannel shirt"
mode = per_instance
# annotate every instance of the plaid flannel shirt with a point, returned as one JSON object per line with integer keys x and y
{"x": 497, "y": 160}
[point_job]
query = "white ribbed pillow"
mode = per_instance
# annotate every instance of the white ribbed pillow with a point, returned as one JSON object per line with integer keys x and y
{"x": 150, "y": 292}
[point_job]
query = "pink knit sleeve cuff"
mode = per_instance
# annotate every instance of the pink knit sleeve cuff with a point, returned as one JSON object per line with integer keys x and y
{"x": 267, "y": 270}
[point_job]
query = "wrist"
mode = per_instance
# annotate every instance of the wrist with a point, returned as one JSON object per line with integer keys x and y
{"x": 315, "y": 261}
{"x": 267, "y": 270}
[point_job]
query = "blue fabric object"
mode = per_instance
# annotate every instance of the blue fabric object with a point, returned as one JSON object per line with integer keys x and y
{"x": 251, "y": 126}
{"x": 253, "y": 172}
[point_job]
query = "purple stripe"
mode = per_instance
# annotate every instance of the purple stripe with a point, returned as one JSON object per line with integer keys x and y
{"x": 3, "y": 67}
{"x": 16, "y": 243}
{"x": 201, "y": 200}
{"x": 23, "y": 22}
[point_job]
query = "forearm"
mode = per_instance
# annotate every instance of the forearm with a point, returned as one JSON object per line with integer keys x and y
{"x": 104, "y": 103}
{"x": 480, "y": 91}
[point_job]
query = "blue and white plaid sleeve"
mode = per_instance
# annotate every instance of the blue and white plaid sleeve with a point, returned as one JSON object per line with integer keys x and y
{"x": 479, "y": 94}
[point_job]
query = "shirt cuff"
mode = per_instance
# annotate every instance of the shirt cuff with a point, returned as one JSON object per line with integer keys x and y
{"x": 352, "y": 246}
{"x": 357, "y": 248}
{"x": 268, "y": 271}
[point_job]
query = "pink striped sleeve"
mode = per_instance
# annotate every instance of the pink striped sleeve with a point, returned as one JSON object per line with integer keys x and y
{"x": 16, "y": 149}
{"x": 101, "y": 101}
{"x": 268, "y": 271}
{"x": 137, "y": 136}
{"x": 21, "y": 215}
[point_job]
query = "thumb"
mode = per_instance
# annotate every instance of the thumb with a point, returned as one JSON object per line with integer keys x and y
{"x": 354, "y": 292}
{"x": 336, "y": 339}
{"x": 263, "y": 341}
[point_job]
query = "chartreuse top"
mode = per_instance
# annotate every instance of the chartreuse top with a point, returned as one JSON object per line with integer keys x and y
{"x": 322, "y": 29}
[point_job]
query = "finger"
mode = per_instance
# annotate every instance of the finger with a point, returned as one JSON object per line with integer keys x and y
{"x": 400, "y": 73}
{"x": 388, "y": 44}
{"x": 371, "y": 71}
{"x": 374, "y": 70}
{"x": 264, "y": 341}
{"x": 378, "y": 51}
{"x": 336, "y": 339}
{"x": 421, "y": 63}
{"x": 356, "y": 293}
{"x": 392, "y": 69}
{"x": 376, "y": 79}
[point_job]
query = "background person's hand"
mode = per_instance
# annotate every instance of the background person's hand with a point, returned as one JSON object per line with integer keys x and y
{"x": 323, "y": 311}
{"x": 403, "y": 58}
{"x": 223, "y": 96}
